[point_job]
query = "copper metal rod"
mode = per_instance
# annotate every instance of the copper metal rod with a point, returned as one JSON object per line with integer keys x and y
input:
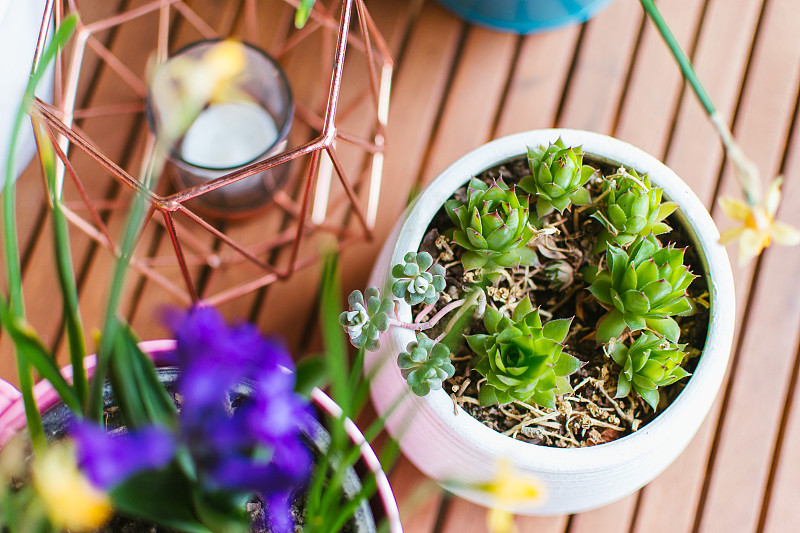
{"x": 312, "y": 172}
{"x": 173, "y": 235}
{"x": 79, "y": 185}
{"x": 227, "y": 240}
{"x": 350, "y": 192}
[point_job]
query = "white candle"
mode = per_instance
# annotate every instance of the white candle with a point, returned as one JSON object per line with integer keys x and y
{"x": 229, "y": 134}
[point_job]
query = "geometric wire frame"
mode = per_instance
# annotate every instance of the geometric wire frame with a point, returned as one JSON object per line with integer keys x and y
{"x": 335, "y": 148}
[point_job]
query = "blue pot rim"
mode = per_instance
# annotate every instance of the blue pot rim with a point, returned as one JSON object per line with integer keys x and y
{"x": 523, "y": 26}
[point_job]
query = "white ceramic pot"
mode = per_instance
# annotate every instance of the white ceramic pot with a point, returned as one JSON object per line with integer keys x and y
{"x": 453, "y": 448}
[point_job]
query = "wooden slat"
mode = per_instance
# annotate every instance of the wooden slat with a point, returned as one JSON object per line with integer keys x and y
{"x": 652, "y": 95}
{"x": 754, "y": 403}
{"x": 417, "y": 496}
{"x": 782, "y": 511}
{"x": 612, "y": 518}
{"x": 720, "y": 61}
{"x": 537, "y": 81}
{"x": 470, "y": 106}
{"x": 601, "y": 68}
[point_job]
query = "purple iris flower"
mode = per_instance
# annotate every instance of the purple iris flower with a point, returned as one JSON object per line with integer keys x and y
{"x": 108, "y": 460}
{"x": 247, "y": 442}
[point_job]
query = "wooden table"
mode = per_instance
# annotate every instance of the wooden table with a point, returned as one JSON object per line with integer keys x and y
{"x": 456, "y": 87}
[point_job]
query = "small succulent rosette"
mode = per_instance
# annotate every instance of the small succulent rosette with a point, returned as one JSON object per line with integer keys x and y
{"x": 492, "y": 226}
{"x": 523, "y": 359}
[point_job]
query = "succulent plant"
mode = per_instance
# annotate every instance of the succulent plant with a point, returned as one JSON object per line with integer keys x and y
{"x": 418, "y": 279}
{"x": 522, "y": 359}
{"x": 367, "y": 318}
{"x": 632, "y": 208}
{"x": 642, "y": 288}
{"x": 425, "y": 364}
{"x": 650, "y": 362}
{"x": 557, "y": 177}
{"x": 492, "y": 226}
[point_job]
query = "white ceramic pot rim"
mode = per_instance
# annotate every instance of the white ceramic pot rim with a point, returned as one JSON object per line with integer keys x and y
{"x": 702, "y": 386}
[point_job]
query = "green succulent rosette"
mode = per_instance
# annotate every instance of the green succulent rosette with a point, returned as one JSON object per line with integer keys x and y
{"x": 632, "y": 209}
{"x": 492, "y": 226}
{"x": 557, "y": 178}
{"x": 642, "y": 288}
{"x": 418, "y": 279}
{"x": 522, "y": 359}
{"x": 425, "y": 364}
{"x": 649, "y": 363}
{"x": 366, "y": 318}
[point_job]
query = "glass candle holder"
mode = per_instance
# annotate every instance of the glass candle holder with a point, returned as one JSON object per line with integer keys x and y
{"x": 215, "y": 107}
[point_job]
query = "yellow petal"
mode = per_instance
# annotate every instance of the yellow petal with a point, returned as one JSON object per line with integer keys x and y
{"x": 226, "y": 59}
{"x": 730, "y": 235}
{"x": 734, "y": 208}
{"x": 71, "y": 502}
{"x": 500, "y": 521}
{"x": 784, "y": 234}
{"x": 773, "y": 198}
{"x": 750, "y": 245}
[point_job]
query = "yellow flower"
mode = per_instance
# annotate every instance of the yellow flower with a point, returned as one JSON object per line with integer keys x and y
{"x": 185, "y": 85}
{"x": 71, "y": 502}
{"x": 508, "y": 489}
{"x": 758, "y": 226}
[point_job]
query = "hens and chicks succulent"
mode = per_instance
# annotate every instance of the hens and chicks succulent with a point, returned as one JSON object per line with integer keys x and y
{"x": 641, "y": 283}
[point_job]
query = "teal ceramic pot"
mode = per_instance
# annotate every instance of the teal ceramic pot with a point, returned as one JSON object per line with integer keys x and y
{"x": 525, "y": 16}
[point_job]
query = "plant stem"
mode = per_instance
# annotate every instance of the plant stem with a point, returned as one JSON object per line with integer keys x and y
{"x": 746, "y": 171}
{"x": 433, "y": 321}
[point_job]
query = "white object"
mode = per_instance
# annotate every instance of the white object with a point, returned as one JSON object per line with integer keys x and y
{"x": 455, "y": 449}
{"x": 19, "y": 30}
{"x": 228, "y": 135}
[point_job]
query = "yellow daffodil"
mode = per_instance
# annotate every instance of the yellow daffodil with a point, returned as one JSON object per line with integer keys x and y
{"x": 507, "y": 490}
{"x": 185, "y": 85}
{"x": 71, "y": 502}
{"x": 758, "y": 227}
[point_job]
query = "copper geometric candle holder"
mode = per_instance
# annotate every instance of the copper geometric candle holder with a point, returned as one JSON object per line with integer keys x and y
{"x": 340, "y": 70}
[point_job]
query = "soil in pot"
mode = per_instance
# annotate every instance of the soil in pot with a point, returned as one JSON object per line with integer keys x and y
{"x": 316, "y": 438}
{"x": 591, "y": 415}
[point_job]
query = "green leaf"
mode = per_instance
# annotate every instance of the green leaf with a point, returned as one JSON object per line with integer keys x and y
{"x": 617, "y": 216}
{"x": 581, "y": 197}
{"x": 523, "y": 308}
{"x": 487, "y": 395}
{"x": 666, "y": 327}
{"x": 650, "y": 396}
{"x": 610, "y": 326}
{"x": 164, "y": 497}
{"x": 557, "y": 330}
{"x": 634, "y": 322}
{"x": 623, "y": 387}
{"x": 566, "y": 365}
{"x": 545, "y": 398}
{"x": 311, "y": 371}
{"x": 477, "y": 343}
{"x": 473, "y": 260}
{"x": 491, "y": 319}
{"x": 31, "y": 348}
{"x": 302, "y": 13}
{"x": 333, "y": 335}
{"x": 635, "y": 302}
